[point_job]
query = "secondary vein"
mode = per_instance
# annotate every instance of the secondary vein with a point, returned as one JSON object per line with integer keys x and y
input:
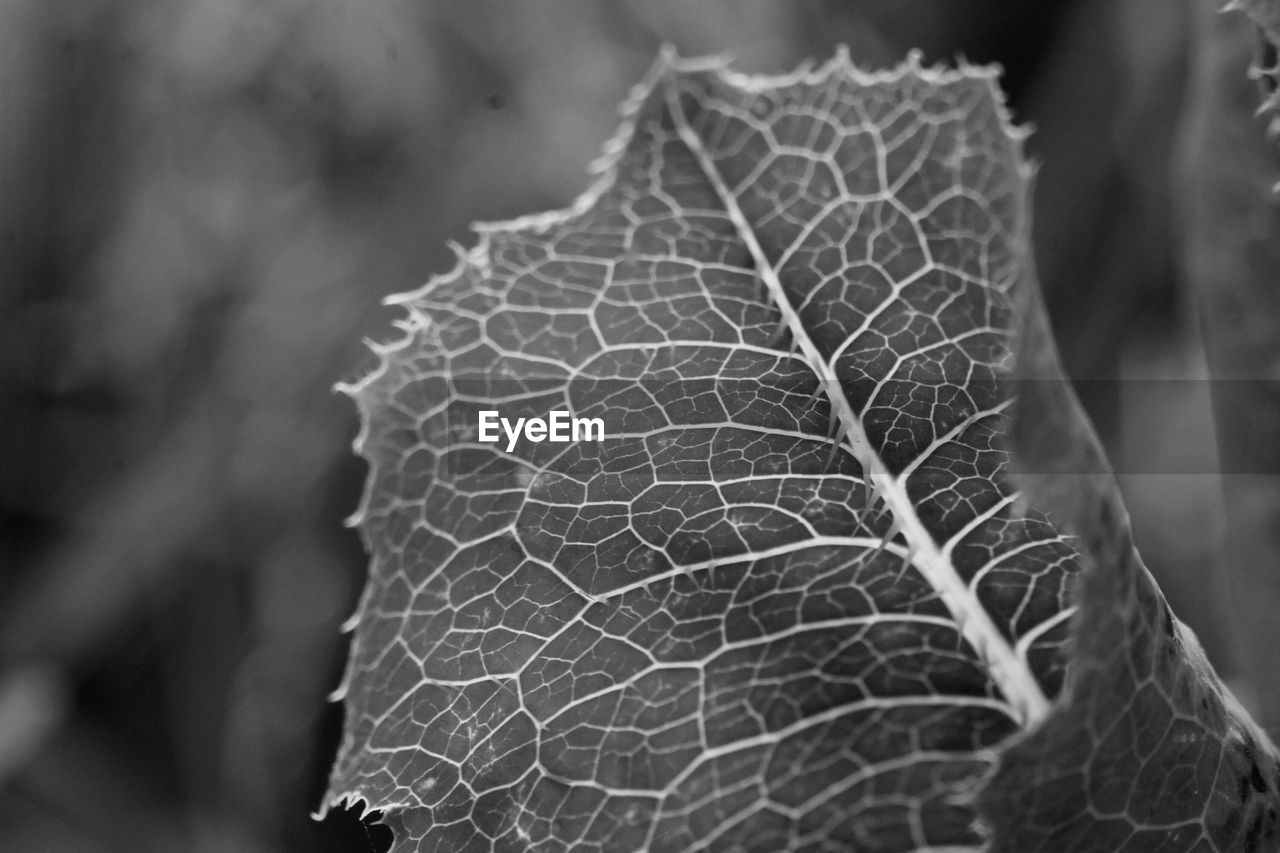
{"x": 1007, "y": 669}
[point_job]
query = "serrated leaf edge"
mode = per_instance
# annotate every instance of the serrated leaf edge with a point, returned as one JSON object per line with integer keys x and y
{"x": 1034, "y": 706}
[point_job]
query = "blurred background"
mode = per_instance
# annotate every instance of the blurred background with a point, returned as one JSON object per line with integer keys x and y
{"x": 202, "y": 203}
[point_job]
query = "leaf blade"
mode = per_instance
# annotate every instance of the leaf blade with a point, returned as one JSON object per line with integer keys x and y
{"x": 1011, "y": 672}
{"x": 709, "y": 630}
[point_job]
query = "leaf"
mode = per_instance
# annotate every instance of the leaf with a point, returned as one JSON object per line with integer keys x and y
{"x": 793, "y": 601}
{"x": 1145, "y": 750}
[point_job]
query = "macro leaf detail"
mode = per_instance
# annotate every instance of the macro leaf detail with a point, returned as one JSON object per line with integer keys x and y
{"x": 796, "y": 598}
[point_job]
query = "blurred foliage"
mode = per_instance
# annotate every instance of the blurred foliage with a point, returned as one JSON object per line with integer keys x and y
{"x": 1230, "y": 211}
{"x": 204, "y": 200}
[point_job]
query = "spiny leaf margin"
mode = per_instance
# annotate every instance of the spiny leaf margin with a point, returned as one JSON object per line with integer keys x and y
{"x": 479, "y": 258}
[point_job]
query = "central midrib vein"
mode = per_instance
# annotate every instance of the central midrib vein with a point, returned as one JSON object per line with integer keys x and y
{"x": 1006, "y": 668}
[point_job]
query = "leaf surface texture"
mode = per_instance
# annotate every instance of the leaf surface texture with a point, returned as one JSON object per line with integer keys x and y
{"x": 793, "y": 601}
